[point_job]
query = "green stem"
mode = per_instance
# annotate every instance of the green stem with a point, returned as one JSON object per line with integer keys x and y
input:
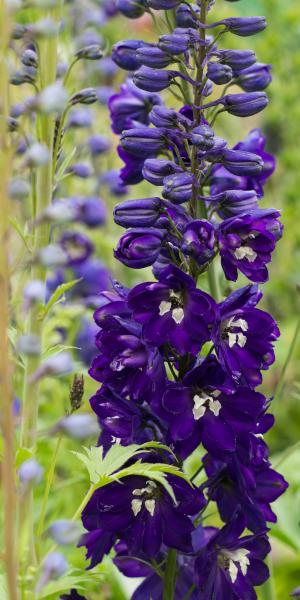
{"x": 280, "y": 383}
{"x": 6, "y": 390}
{"x": 170, "y": 575}
{"x": 49, "y": 482}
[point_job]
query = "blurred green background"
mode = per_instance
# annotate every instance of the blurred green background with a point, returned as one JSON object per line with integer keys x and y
{"x": 279, "y": 45}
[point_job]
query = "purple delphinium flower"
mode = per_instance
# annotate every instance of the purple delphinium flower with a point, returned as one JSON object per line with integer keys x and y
{"x": 246, "y": 243}
{"x": 140, "y": 512}
{"x": 230, "y": 566}
{"x": 243, "y": 336}
{"x": 173, "y": 310}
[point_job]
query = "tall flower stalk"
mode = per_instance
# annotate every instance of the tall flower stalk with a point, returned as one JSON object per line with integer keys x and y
{"x": 179, "y": 360}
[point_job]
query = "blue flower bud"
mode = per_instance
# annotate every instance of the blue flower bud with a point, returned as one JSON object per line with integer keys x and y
{"x": 219, "y": 73}
{"x": 255, "y": 78}
{"x": 139, "y": 248}
{"x": 178, "y": 188}
{"x": 174, "y": 43}
{"x": 237, "y": 59}
{"x": 37, "y": 155}
{"x": 85, "y": 96}
{"x": 79, "y": 118}
{"x": 161, "y": 116}
{"x": 203, "y": 136}
{"x": 124, "y": 54}
{"x": 153, "y": 80}
{"x": 132, "y": 9}
{"x": 184, "y": 16}
{"x": 153, "y": 56}
{"x": 137, "y": 213}
{"x": 245, "y": 26}
{"x": 156, "y": 169}
{"x": 78, "y": 426}
{"x": 34, "y": 292}
{"x": 29, "y": 58}
{"x": 52, "y": 256}
{"x": 29, "y": 345}
{"x": 57, "y": 364}
{"x": 20, "y": 77}
{"x": 54, "y": 566}
{"x": 99, "y": 144}
{"x": 163, "y": 4}
{"x": 18, "y": 189}
{"x": 199, "y": 240}
{"x": 65, "y": 532}
{"x": 91, "y": 52}
{"x": 30, "y": 472}
{"x": 143, "y": 142}
{"x": 242, "y": 163}
{"x": 245, "y": 105}
{"x": 81, "y": 170}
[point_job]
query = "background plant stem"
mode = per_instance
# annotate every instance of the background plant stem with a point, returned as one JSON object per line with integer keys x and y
{"x": 8, "y": 476}
{"x": 170, "y": 576}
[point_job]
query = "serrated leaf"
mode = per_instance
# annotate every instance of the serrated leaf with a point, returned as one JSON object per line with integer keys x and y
{"x": 57, "y": 294}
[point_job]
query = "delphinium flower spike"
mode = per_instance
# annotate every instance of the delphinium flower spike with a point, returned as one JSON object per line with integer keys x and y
{"x": 178, "y": 361}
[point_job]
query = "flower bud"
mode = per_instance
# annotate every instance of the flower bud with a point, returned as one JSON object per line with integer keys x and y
{"x": 203, "y": 137}
{"x": 56, "y": 365}
{"x": 178, "y": 188}
{"x": 80, "y": 118}
{"x": 52, "y": 99}
{"x": 255, "y": 78}
{"x": 219, "y": 73}
{"x": 163, "y": 4}
{"x": 99, "y": 144}
{"x": 30, "y": 472}
{"x": 30, "y": 345}
{"x": 137, "y": 213}
{"x": 139, "y": 248}
{"x": 78, "y": 426}
{"x": 237, "y": 59}
{"x": 85, "y": 96}
{"x": 81, "y": 170}
{"x": 65, "y": 532}
{"x": 90, "y": 211}
{"x": 45, "y": 28}
{"x": 52, "y": 256}
{"x": 20, "y": 77}
{"x": 124, "y": 54}
{"x": 174, "y": 43}
{"x": 199, "y": 240}
{"x": 156, "y": 169}
{"x": 34, "y": 293}
{"x": 234, "y": 202}
{"x": 29, "y": 58}
{"x": 161, "y": 116}
{"x": 132, "y": 9}
{"x": 58, "y": 212}
{"x": 152, "y": 80}
{"x": 152, "y": 56}
{"x": 143, "y": 142}
{"x": 54, "y": 566}
{"x": 91, "y": 52}
{"x": 185, "y": 17}
{"x": 242, "y": 163}
{"x": 245, "y": 26}
{"x": 37, "y": 155}
{"x": 18, "y": 189}
{"x": 245, "y": 105}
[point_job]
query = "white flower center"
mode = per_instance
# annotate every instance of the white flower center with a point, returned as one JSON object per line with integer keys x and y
{"x": 234, "y": 337}
{"x": 204, "y": 402}
{"x": 174, "y": 308}
{"x": 245, "y": 252}
{"x": 144, "y": 497}
{"x": 236, "y": 559}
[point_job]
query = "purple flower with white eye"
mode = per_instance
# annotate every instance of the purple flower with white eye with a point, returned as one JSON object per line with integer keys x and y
{"x": 173, "y": 311}
{"x": 230, "y": 566}
{"x": 140, "y": 511}
{"x": 200, "y": 410}
{"x": 243, "y": 336}
{"x": 131, "y": 105}
{"x": 246, "y": 243}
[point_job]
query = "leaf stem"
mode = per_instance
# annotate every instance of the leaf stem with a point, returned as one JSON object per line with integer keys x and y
{"x": 280, "y": 383}
{"x": 49, "y": 482}
{"x": 170, "y": 575}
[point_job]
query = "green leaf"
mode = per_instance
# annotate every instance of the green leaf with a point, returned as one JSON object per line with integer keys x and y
{"x": 57, "y": 294}
{"x": 71, "y": 580}
{"x": 105, "y": 470}
{"x": 23, "y": 454}
{"x": 3, "y": 588}
{"x": 17, "y": 227}
{"x": 65, "y": 164}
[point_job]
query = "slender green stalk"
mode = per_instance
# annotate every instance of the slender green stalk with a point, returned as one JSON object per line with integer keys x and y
{"x": 49, "y": 482}
{"x": 45, "y": 128}
{"x": 280, "y": 383}
{"x": 8, "y": 476}
{"x": 170, "y": 576}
